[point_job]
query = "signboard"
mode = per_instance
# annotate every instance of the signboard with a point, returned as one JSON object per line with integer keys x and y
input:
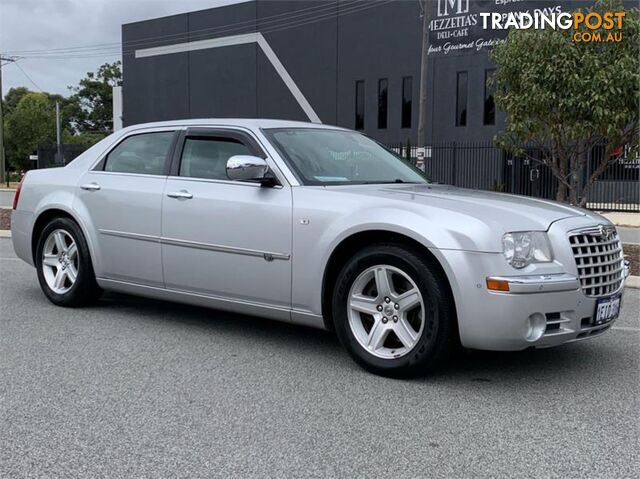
{"x": 456, "y": 27}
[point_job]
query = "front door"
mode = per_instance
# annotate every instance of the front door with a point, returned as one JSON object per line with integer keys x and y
{"x": 223, "y": 238}
{"x": 121, "y": 198}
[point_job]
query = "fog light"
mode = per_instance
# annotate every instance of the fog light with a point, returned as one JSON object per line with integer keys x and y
{"x": 535, "y": 327}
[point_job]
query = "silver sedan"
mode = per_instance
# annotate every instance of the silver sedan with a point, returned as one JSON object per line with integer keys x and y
{"x": 319, "y": 226}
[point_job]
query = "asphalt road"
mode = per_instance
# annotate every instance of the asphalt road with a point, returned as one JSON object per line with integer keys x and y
{"x": 6, "y": 198}
{"x": 629, "y": 235}
{"x": 138, "y": 388}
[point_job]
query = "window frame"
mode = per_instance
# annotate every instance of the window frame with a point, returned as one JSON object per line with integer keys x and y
{"x": 101, "y": 164}
{"x": 225, "y": 134}
{"x": 386, "y": 103}
{"x": 488, "y": 73}
{"x": 402, "y": 104}
{"x": 458, "y": 123}
{"x": 364, "y": 105}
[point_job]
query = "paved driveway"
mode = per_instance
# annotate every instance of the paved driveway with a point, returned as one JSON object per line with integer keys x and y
{"x": 134, "y": 388}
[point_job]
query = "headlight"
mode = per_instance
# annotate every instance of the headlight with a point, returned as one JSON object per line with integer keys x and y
{"x": 526, "y": 247}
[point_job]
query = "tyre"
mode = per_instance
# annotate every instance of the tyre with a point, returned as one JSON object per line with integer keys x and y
{"x": 64, "y": 265}
{"x": 393, "y": 311}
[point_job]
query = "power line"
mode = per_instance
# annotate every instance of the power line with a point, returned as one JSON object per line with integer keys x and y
{"x": 190, "y": 36}
{"x": 151, "y": 39}
{"x": 27, "y": 75}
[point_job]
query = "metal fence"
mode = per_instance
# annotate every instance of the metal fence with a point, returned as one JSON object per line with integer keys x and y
{"x": 49, "y": 157}
{"x": 483, "y": 166}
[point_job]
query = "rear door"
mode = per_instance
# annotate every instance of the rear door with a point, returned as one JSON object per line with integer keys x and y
{"x": 121, "y": 197}
{"x": 224, "y": 238}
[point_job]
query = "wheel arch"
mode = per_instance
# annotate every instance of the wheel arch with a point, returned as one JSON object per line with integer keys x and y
{"x": 351, "y": 244}
{"x": 44, "y": 217}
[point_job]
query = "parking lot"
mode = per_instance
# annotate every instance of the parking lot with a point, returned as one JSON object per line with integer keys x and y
{"x": 134, "y": 387}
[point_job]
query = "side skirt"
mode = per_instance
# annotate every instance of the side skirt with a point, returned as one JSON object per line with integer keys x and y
{"x": 214, "y": 302}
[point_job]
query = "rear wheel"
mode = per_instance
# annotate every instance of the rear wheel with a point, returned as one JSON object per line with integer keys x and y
{"x": 64, "y": 265}
{"x": 392, "y": 311}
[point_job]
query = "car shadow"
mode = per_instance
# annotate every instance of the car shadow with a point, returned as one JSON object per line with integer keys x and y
{"x": 485, "y": 368}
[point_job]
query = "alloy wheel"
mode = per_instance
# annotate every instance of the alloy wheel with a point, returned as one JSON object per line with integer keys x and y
{"x": 60, "y": 261}
{"x": 386, "y": 311}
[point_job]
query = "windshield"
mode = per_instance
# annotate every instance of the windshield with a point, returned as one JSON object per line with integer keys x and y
{"x": 336, "y": 157}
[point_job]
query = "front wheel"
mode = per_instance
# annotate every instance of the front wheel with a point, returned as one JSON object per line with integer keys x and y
{"x": 393, "y": 312}
{"x": 64, "y": 265}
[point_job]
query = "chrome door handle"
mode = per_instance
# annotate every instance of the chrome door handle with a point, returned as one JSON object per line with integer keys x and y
{"x": 91, "y": 187}
{"x": 182, "y": 194}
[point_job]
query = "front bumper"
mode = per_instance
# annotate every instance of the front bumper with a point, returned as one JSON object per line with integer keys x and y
{"x": 552, "y": 298}
{"x": 501, "y": 320}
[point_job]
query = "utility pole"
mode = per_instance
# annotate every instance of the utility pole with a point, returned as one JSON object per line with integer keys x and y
{"x": 58, "y": 142}
{"x": 2, "y": 163}
{"x": 424, "y": 73}
{"x": 3, "y": 167}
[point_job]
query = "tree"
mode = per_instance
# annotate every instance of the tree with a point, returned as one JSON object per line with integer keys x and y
{"x": 30, "y": 124}
{"x": 91, "y": 105}
{"x": 566, "y": 97}
{"x": 12, "y": 98}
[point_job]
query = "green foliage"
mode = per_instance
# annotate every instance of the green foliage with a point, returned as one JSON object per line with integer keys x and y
{"x": 91, "y": 105}
{"x": 11, "y": 99}
{"x": 86, "y": 116}
{"x": 30, "y": 124}
{"x": 568, "y": 96}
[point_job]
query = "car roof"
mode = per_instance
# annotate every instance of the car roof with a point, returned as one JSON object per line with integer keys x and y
{"x": 250, "y": 123}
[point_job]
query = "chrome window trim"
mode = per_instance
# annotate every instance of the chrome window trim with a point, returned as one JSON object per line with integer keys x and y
{"x": 138, "y": 175}
{"x": 223, "y": 182}
{"x": 266, "y": 255}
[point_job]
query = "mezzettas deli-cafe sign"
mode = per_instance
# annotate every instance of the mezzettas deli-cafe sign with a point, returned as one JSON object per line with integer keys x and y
{"x": 456, "y": 27}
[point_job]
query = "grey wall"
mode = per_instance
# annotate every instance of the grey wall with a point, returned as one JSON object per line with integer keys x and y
{"x": 325, "y": 59}
{"x": 354, "y": 40}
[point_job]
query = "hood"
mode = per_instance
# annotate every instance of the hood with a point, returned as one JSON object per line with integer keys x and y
{"x": 502, "y": 212}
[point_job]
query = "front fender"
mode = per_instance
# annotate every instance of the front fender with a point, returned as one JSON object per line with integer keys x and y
{"x": 317, "y": 236}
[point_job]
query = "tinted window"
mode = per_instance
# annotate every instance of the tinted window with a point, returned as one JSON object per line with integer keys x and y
{"x": 382, "y": 102}
{"x": 144, "y": 154}
{"x": 407, "y": 97}
{"x": 489, "y": 103}
{"x": 360, "y": 105}
{"x": 207, "y": 157}
{"x": 461, "y": 99}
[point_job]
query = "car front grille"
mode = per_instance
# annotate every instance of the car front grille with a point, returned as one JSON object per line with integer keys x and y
{"x": 598, "y": 255}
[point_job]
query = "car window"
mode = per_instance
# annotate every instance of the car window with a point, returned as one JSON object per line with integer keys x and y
{"x": 338, "y": 157}
{"x": 207, "y": 157}
{"x": 145, "y": 153}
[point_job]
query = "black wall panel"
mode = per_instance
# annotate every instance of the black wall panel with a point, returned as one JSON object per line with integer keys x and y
{"x": 308, "y": 52}
{"x": 155, "y": 88}
{"x": 222, "y": 81}
{"x": 380, "y": 42}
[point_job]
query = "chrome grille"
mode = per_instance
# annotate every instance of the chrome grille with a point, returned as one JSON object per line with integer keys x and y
{"x": 598, "y": 255}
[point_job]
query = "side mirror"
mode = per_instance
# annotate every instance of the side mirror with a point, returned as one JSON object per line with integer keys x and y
{"x": 249, "y": 168}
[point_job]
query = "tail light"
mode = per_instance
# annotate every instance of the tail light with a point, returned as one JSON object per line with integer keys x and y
{"x": 17, "y": 195}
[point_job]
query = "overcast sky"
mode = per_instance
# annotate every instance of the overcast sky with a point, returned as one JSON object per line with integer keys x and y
{"x": 32, "y": 25}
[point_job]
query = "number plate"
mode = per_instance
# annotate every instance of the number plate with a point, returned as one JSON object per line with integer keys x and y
{"x": 607, "y": 309}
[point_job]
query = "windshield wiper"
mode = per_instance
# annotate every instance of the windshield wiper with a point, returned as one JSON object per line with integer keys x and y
{"x": 388, "y": 182}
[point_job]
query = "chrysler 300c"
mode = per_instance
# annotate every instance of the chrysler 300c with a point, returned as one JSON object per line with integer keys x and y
{"x": 320, "y": 226}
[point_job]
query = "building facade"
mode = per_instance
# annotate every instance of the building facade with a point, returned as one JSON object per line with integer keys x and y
{"x": 351, "y": 63}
